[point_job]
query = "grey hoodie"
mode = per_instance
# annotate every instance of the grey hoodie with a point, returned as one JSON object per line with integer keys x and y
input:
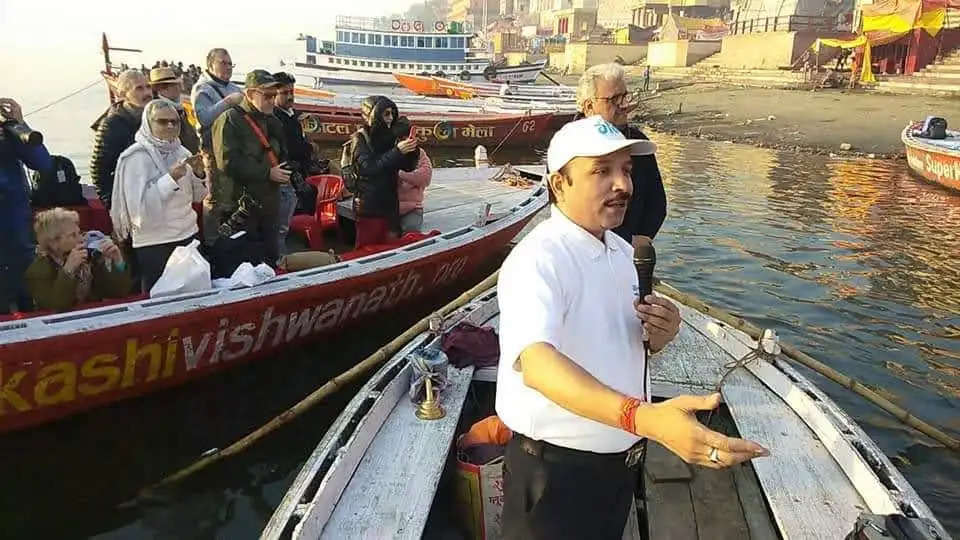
{"x": 208, "y": 103}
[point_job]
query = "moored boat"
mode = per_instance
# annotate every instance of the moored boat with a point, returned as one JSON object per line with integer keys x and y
{"x": 440, "y": 87}
{"x": 936, "y": 160}
{"x": 368, "y": 50}
{"x": 58, "y": 364}
{"x": 329, "y": 123}
{"x": 380, "y": 471}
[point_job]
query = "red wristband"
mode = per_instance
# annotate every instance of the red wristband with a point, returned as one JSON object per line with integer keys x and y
{"x": 628, "y": 414}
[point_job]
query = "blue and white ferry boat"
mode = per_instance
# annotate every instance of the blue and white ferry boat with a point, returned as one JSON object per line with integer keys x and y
{"x": 368, "y": 50}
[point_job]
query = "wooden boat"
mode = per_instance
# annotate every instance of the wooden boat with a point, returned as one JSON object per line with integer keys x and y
{"x": 328, "y": 123}
{"x": 434, "y": 86}
{"x": 312, "y": 93}
{"x": 56, "y": 365}
{"x": 934, "y": 160}
{"x": 381, "y": 472}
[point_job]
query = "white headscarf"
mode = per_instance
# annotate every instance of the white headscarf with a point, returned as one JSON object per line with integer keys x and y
{"x": 164, "y": 155}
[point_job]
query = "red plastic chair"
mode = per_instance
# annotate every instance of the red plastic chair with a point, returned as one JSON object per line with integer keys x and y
{"x": 324, "y": 217}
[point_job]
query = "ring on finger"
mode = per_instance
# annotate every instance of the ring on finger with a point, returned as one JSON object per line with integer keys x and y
{"x": 714, "y": 455}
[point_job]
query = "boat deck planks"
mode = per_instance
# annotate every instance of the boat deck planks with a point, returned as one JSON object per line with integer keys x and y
{"x": 807, "y": 491}
{"x": 392, "y": 490}
{"x": 454, "y": 195}
{"x": 693, "y": 503}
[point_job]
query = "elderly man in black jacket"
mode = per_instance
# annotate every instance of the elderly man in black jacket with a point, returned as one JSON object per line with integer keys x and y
{"x": 602, "y": 91}
{"x": 115, "y": 132}
{"x": 378, "y": 156}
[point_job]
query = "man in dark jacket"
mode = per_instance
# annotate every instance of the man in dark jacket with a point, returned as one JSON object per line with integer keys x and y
{"x": 378, "y": 155}
{"x": 298, "y": 157}
{"x": 602, "y": 91}
{"x": 249, "y": 150}
{"x": 16, "y": 241}
{"x": 115, "y": 132}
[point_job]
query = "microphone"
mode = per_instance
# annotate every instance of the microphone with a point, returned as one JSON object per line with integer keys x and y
{"x": 644, "y": 259}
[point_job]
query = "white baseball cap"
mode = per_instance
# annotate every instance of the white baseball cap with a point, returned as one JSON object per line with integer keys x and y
{"x": 591, "y": 137}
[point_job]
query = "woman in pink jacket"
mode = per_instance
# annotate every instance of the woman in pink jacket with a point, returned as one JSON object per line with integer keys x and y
{"x": 410, "y": 191}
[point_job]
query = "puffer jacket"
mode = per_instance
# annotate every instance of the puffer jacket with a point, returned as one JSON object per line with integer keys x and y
{"x": 378, "y": 162}
{"x": 114, "y": 135}
{"x": 413, "y": 184}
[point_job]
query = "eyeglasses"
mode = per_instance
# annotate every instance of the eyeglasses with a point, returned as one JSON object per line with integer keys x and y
{"x": 226, "y": 64}
{"x": 623, "y": 99}
{"x": 169, "y": 122}
{"x": 268, "y": 95}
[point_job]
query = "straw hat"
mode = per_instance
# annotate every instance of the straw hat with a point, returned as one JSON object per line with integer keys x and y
{"x": 163, "y": 75}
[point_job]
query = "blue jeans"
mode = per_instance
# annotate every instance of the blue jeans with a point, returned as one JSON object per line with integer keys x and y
{"x": 285, "y": 208}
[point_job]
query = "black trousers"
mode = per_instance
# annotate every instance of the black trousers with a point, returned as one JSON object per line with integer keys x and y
{"x": 550, "y": 492}
{"x": 151, "y": 260}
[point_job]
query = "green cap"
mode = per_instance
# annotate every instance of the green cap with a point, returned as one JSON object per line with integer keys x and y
{"x": 260, "y": 78}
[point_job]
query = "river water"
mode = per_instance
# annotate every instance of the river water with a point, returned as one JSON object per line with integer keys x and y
{"x": 854, "y": 261}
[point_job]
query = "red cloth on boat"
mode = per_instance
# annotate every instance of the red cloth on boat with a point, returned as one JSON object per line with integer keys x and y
{"x": 372, "y": 231}
{"x": 470, "y": 345}
{"x": 406, "y": 239}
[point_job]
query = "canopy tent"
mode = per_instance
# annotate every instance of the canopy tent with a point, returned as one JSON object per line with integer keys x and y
{"x": 887, "y": 21}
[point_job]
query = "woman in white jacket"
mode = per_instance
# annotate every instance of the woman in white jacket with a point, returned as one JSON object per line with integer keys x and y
{"x": 156, "y": 184}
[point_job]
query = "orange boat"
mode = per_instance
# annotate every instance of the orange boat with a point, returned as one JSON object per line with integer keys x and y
{"x": 313, "y": 93}
{"x": 433, "y": 86}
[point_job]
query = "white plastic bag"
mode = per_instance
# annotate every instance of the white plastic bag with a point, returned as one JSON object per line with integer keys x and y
{"x": 246, "y": 275}
{"x": 186, "y": 271}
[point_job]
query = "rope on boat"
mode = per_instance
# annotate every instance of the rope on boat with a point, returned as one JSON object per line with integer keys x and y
{"x": 330, "y": 387}
{"x": 64, "y": 98}
{"x": 799, "y": 356}
{"x": 515, "y": 126}
{"x": 752, "y": 357}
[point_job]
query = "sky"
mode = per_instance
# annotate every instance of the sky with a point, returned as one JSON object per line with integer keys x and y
{"x": 49, "y": 48}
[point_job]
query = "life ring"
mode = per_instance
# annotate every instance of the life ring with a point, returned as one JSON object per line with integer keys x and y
{"x": 418, "y": 26}
{"x": 464, "y": 75}
{"x": 490, "y": 73}
{"x": 395, "y": 24}
{"x": 424, "y": 74}
{"x": 404, "y": 26}
{"x": 449, "y": 92}
{"x": 442, "y": 130}
{"x": 440, "y": 73}
{"x": 439, "y": 26}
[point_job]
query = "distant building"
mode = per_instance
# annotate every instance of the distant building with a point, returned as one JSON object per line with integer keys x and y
{"x": 615, "y": 13}
{"x": 653, "y": 13}
{"x": 471, "y": 11}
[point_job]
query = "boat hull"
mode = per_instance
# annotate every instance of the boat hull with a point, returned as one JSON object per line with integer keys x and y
{"x": 50, "y": 378}
{"x": 323, "y": 124}
{"x": 511, "y": 74}
{"x": 933, "y": 163}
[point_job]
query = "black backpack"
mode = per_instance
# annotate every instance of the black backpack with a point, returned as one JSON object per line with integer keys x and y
{"x": 934, "y": 127}
{"x": 347, "y": 168}
{"x": 57, "y": 186}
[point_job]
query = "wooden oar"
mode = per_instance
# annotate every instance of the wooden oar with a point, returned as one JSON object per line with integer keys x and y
{"x": 318, "y": 395}
{"x": 799, "y": 356}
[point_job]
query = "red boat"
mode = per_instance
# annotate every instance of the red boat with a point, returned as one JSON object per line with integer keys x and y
{"x": 55, "y": 365}
{"x": 329, "y": 123}
{"x": 937, "y": 160}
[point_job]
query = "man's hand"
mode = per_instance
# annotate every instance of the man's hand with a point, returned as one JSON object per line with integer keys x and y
{"x": 280, "y": 175}
{"x": 76, "y": 257}
{"x": 407, "y": 145}
{"x": 235, "y": 98}
{"x": 673, "y": 424}
{"x": 10, "y": 109}
{"x": 661, "y": 320}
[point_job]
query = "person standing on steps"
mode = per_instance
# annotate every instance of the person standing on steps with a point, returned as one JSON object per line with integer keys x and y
{"x": 572, "y": 382}
{"x": 602, "y": 91}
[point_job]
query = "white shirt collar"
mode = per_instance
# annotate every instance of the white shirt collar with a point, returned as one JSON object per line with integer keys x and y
{"x": 583, "y": 237}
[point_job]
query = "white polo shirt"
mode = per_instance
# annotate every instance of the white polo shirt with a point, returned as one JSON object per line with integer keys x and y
{"x": 561, "y": 285}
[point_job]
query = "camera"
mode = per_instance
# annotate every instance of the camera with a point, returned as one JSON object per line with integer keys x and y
{"x": 238, "y": 219}
{"x": 22, "y": 132}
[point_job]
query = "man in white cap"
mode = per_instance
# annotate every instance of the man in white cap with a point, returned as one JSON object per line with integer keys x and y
{"x": 572, "y": 382}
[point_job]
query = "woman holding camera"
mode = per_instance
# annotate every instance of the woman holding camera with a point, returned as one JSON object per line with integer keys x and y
{"x": 67, "y": 273}
{"x": 156, "y": 184}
